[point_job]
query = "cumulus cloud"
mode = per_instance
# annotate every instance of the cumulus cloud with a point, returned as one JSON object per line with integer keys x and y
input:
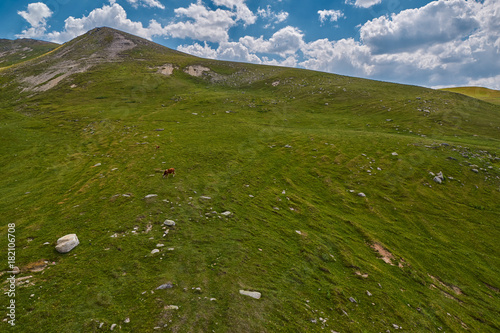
{"x": 284, "y": 42}
{"x": 203, "y": 24}
{"x": 144, "y": 3}
{"x": 36, "y": 15}
{"x": 271, "y": 16}
{"x": 363, "y": 3}
{"x": 108, "y": 15}
{"x": 436, "y": 22}
{"x": 345, "y": 56}
{"x": 242, "y": 11}
{"x": 331, "y": 15}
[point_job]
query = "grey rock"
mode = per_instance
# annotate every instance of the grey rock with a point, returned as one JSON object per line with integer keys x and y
{"x": 67, "y": 243}
{"x": 167, "y": 285}
{"x": 169, "y": 223}
{"x": 113, "y": 327}
{"x": 368, "y": 293}
{"x": 253, "y": 294}
{"x": 226, "y": 213}
{"x": 438, "y": 180}
{"x": 361, "y": 194}
{"x": 352, "y": 300}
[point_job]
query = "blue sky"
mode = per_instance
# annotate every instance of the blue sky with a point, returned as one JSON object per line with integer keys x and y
{"x": 428, "y": 43}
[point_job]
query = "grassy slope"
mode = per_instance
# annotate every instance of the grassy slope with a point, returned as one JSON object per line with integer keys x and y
{"x": 484, "y": 94}
{"x": 444, "y": 235}
{"x": 20, "y": 50}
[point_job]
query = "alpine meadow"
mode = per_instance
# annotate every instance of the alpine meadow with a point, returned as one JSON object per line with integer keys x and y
{"x": 301, "y": 201}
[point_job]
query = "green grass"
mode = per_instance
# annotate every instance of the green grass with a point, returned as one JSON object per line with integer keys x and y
{"x": 484, "y": 94}
{"x": 444, "y": 236}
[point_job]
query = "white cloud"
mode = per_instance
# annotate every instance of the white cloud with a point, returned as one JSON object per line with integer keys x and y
{"x": 108, "y": 15}
{"x": 203, "y": 24}
{"x": 363, "y": 3}
{"x": 196, "y": 49}
{"x": 144, "y": 3}
{"x": 345, "y": 56}
{"x": 492, "y": 82}
{"x": 437, "y": 22}
{"x": 286, "y": 41}
{"x": 242, "y": 11}
{"x": 271, "y": 16}
{"x": 334, "y": 15}
{"x": 36, "y": 15}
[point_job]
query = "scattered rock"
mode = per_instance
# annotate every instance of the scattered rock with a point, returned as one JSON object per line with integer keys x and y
{"x": 438, "y": 180}
{"x": 394, "y": 154}
{"x": 253, "y": 294}
{"x": 169, "y": 223}
{"x": 150, "y": 196}
{"x": 67, "y": 243}
{"x": 475, "y": 170}
{"x": 352, "y": 300}
{"x": 127, "y": 320}
{"x": 171, "y": 307}
{"x": 299, "y": 232}
{"x": 287, "y": 146}
{"x": 167, "y": 285}
{"x": 368, "y": 293}
{"x": 203, "y": 197}
{"x": 113, "y": 327}
{"x": 361, "y": 194}
{"x": 155, "y": 251}
{"x": 226, "y": 213}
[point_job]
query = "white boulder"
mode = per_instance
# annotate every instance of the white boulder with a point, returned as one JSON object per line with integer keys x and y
{"x": 67, "y": 243}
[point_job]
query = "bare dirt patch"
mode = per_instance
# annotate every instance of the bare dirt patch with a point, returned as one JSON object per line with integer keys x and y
{"x": 385, "y": 255}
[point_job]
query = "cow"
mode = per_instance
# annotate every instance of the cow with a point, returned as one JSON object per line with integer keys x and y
{"x": 169, "y": 171}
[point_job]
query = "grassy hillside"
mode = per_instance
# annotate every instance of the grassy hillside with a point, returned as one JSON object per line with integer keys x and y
{"x": 19, "y": 50}
{"x": 484, "y": 94}
{"x": 287, "y": 152}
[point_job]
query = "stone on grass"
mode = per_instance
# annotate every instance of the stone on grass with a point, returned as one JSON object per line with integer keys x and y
{"x": 171, "y": 307}
{"x": 394, "y": 154}
{"x": 226, "y": 213}
{"x": 253, "y": 294}
{"x": 67, "y": 243}
{"x": 155, "y": 251}
{"x": 204, "y": 197}
{"x": 361, "y": 194}
{"x": 167, "y": 285}
{"x": 169, "y": 223}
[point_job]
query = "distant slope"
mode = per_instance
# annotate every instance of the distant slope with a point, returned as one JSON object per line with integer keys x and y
{"x": 485, "y": 94}
{"x": 19, "y": 50}
{"x": 351, "y": 205}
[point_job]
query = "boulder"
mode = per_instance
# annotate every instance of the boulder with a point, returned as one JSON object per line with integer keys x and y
{"x": 67, "y": 243}
{"x": 253, "y": 294}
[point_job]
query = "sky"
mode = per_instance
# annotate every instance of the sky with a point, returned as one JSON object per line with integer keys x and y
{"x": 435, "y": 44}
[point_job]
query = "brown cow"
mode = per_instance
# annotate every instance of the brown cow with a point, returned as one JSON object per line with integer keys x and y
{"x": 169, "y": 171}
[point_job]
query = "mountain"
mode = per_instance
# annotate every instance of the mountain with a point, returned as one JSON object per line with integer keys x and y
{"x": 484, "y": 94}
{"x": 349, "y": 205}
{"x": 15, "y": 51}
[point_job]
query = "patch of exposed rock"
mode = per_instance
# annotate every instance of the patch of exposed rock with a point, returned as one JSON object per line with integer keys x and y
{"x": 196, "y": 70}
{"x": 167, "y": 69}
